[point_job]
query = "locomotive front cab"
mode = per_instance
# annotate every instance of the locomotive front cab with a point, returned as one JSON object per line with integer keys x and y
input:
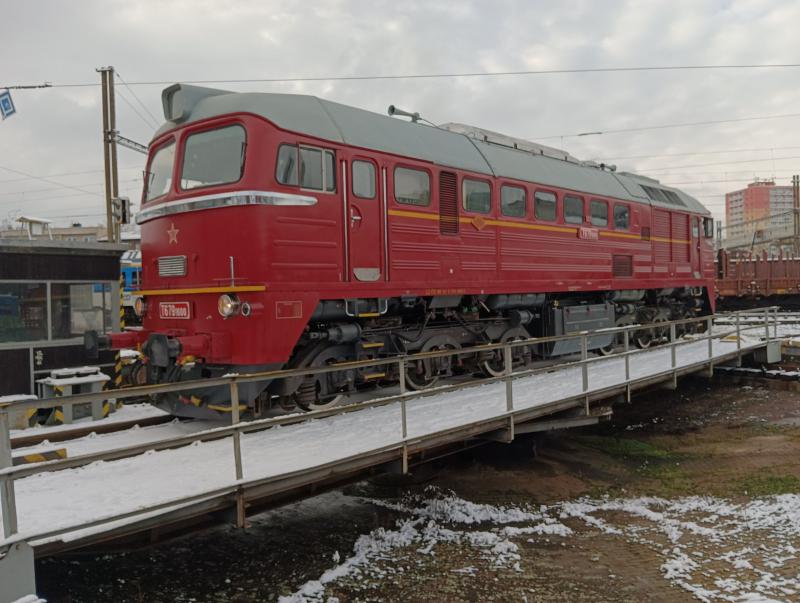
{"x": 210, "y": 304}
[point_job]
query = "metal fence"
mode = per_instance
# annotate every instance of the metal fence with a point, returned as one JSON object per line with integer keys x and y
{"x": 768, "y": 320}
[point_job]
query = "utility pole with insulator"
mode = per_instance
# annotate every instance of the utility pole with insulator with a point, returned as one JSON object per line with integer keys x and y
{"x": 110, "y": 151}
{"x": 796, "y": 213}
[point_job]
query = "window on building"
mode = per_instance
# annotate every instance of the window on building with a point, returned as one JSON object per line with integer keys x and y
{"x": 622, "y": 217}
{"x": 213, "y": 157}
{"x": 599, "y": 212}
{"x": 158, "y": 177}
{"x": 23, "y": 312}
{"x": 79, "y": 307}
{"x": 476, "y": 196}
{"x": 364, "y": 179}
{"x": 311, "y": 168}
{"x": 513, "y": 201}
{"x": 412, "y": 187}
{"x": 573, "y": 209}
{"x": 544, "y": 205}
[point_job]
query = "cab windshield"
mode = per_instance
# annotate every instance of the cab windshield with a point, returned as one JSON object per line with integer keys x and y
{"x": 158, "y": 178}
{"x": 213, "y": 157}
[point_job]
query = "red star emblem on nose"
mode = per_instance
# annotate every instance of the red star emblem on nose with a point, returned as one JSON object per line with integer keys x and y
{"x": 173, "y": 233}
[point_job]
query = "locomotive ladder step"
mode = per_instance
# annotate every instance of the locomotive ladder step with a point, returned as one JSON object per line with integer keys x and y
{"x": 371, "y": 376}
{"x": 221, "y": 408}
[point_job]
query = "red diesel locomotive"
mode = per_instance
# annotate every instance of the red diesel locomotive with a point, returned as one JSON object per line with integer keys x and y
{"x": 288, "y": 231}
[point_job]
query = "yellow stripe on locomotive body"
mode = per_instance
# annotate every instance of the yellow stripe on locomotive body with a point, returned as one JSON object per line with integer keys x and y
{"x": 527, "y": 226}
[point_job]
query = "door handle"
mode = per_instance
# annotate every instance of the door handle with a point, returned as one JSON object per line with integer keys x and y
{"x": 354, "y": 218}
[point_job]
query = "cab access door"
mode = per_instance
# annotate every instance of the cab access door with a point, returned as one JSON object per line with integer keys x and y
{"x": 364, "y": 221}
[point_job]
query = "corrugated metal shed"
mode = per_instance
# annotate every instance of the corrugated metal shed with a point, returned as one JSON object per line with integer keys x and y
{"x": 340, "y": 123}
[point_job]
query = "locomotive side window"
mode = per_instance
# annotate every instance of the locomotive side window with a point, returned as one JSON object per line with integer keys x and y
{"x": 573, "y": 210}
{"x": 364, "y": 179}
{"x": 513, "y": 201}
{"x": 695, "y": 229}
{"x": 544, "y": 205}
{"x": 158, "y": 177}
{"x": 476, "y": 196}
{"x": 286, "y": 169}
{"x": 412, "y": 187}
{"x": 213, "y": 157}
{"x": 708, "y": 227}
{"x": 312, "y": 168}
{"x": 622, "y": 217}
{"x": 599, "y": 212}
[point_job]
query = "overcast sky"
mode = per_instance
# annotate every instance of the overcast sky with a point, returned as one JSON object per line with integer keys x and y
{"x": 57, "y": 131}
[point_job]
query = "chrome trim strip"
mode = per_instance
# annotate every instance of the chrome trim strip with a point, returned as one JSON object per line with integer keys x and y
{"x": 232, "y": 199}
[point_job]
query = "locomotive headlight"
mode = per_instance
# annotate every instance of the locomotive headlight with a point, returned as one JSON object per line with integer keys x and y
{"x": 140, "y": 307}
{"x": 228, "y": 305}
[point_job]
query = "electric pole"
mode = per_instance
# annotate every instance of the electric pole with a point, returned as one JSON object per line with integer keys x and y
{"x": 110, "y": 150}
{"x": 796, "y": 213}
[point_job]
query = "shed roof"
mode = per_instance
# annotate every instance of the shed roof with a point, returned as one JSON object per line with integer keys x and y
{"x": 344, "y": 124}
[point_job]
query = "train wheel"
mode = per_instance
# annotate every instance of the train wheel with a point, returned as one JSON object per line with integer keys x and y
{"x": 318, "y": 392}
{"x": 619, "y": 338}
{"x": 424, "y": 373}
{"x": 495, "y": 366}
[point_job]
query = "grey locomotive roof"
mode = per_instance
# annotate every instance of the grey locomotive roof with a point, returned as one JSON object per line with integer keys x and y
{"x": 327, "y": 120}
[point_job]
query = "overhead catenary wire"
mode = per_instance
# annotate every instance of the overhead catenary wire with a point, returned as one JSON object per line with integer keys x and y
{"x": 10, "y": 180}
{"x": 693, "y": 153}
{"x": 146, "y": 122}
{"x": 48, "y": 181}
{"x": 155, "y": 121}
{"x": 666, "y": 126}
{"x": 409, "y": 76}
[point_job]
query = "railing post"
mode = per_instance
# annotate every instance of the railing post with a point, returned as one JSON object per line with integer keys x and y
{"x": 766, "y": 324}
{"x": 775, "y": 322}
{"x": 626, "y": 340}
{"x": 673, "y": 352}
{"x": 8, "y": 502}
{"x": 403, "y": 411}
{"x": 237, "y": 454}
{"x": 509, "y": 369}
{"x": 5, "y": 440}
{"x": 709, "y": 326}
{"x": 738, "y": 340}
{"x": 585, "y": 370}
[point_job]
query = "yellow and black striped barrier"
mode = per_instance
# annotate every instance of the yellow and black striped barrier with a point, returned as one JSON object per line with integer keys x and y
{"x": 40, "y": 457}
{"x": 118, "y": 356}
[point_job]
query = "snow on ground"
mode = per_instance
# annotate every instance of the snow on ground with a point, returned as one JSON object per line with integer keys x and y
{"x": 68, "y": 498}
{"x": 128, "y": 412}
{"x": 134, "y": 436}
{"x": 715, "y": 549}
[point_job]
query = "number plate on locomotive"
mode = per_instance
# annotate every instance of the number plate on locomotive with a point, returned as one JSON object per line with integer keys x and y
{"x": 175, "y": 310}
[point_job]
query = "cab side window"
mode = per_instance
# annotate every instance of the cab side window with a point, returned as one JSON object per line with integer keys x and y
{"x": 622, "y": 218}
{"x": 513, "y": 202}
{"x": 573, "y": 209}
{"x": 364, "y": 179}
{"x": 599, "y": 212}
{"x": 308, "y": 167}
{"x": 476, "y": 196}
{"x": 412, "y": 187}
{"x": 544, "y": 206}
